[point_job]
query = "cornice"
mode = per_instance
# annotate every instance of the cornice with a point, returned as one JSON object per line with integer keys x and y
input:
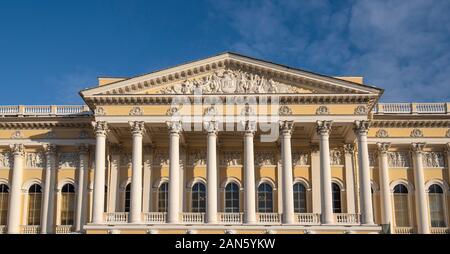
{"x": 44, "y": 125}
{"x": 410, "y": 123}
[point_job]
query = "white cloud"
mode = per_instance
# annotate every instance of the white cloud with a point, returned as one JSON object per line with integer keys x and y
{"x": 402, "y": 46}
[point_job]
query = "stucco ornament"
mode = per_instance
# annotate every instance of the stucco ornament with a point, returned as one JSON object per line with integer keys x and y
{"x": 382, "y": 133}
{"x": 99, "y": 111}
{"x": 433, "y": 159}
{"x": 335, "y": 157}
{"x": 300, "y": 159}
{"x": 16, "y": 134}
{"x": 416, "y": 133}
{"x": 136, "y": 111}
{"x": 5, "y": 160}
{"x": 361, "y": 110}
{"x": 161, "y": 158}
{"x": 447, "y": 134}
{"x": 230, "y": 81}
{"x": 264, "y": 158}
{"x": 197, "y": 157}
{"x": 68, "y": 160}
{"x": 284, "y": 111}
{"x": 322, "y": 110}
{"x": 399, "y": 159}
{"x": 231, "y": 158}
{"x": 35, "y": 160}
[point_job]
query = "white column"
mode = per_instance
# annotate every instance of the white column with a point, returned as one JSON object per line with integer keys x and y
{"x": 361, "y": 129}
{"x": 14, "y": 209}
{"x": 315, "y": 174}
{"x": 349, "y": 178}
{"x": 147, "y": 185}
{"x": 385, "y": 192}
{"x": 174, "y": 172}
{"x": 212, "y": 128}
{"x": 48, "y": 201}
{"x": 114, "y": 182}
{"x": 98, "y": 209}
{"x": 419, "y": 182}
{"x": 286, "y": 128}
{"x": 323, "y": 129}
{"x": 137, "y": 129}
{"x": 81, "y": 187}
{"x": 249, "y": 173}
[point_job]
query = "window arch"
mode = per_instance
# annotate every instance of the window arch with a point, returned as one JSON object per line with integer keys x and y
{"x": 299, "y": 198}
{"x": 401, "y": 206}
{"x": 4, "y": 196}
{"x": 163, "y": 196}
{"x": 198, "y": 198}
{"x": 67, "y": 204}
{"x": 336, "y": 194}
{"x": 232, "y": 198}
{"x": 436, "y": 201}
{"x": 265, "y": 200}
{"x": 34, "y": 204}
{"x": 127, "y": 198}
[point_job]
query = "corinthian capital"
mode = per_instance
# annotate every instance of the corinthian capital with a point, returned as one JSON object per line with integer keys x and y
{"x": 137, "y": 127}
{"x": 211, "y": 126}
{"x": 174, "y": 126}
{"x": 100, "y": 128}
{"x": 17, "y": 149}
{"x": 417, "y": 147}
{"x": 349, "y": 148}
{"x": 49, "y": 149}
{"x": 249, "y": 126}
{"x": 362, "y": 127}
{"x": 286, "y": 127}
{"x": 383, "y": 147}
{"x": 323, "y": 127}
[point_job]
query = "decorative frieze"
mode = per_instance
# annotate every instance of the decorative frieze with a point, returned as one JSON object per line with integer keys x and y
{"x": 230, "y": 81}
{"x": 360, "y": 110}
{"x": 173, "y": 111}
{"x": 136, "y": 111}
{"x": 35, "y": 160}
{"x": 399, "y": 159}
{"x": 300, "y": 159}
{"x": 230, "y": 158}
{"x": 284, "y": 111}
{"x": 68, "y": 160}
{"x": 264, "y": 158}
{"x": 99, "y": 111}
{"x": 322, "y": 110}
{"x": 336, "y": 157}
{"x": 197, "y": 158}
{"x": 161, "y": 158}
{"x": 17, "y": 134}
{"x": 382, "y": 133}
{"x": 433, "y": 159}
{"x": 416, "y": 133}
{"x": 5, "y": 160}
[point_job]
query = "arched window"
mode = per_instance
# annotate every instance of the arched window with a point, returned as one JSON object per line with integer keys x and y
{"x": 436, "y": 199}
{"x": 198, "y": 198}
{"x": 336, "y": 193}
{"x": 34, "y": 205}
{"x": 401, "y": 206}
{"x": 163, "y": 192}
{"x": 232, "y": 198}
{"x": 127, "y": 198}
{"x": 299, "y": 198}
{"x": 265, "y": 203}
{"x": 4, "y": 195}
{"x": 67, "y": 204}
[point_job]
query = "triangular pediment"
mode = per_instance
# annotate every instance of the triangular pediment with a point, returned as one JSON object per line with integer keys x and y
{"x": 230, "y": 73}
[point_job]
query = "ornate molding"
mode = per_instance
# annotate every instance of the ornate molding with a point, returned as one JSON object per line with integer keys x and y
{"x": 174, "y": 126}
{"x": 382, "y": 133}
{"x": 231, "y": 158}
{"x": 416, "y": 133}
{"x": 211, "y": 126}
{"x": 324, "y": 127}
{"x": 249, "y": 126}
{"x": 137, "y": 127}
{"x": 5, "y": 160}
{"x": 362, "y": 127}
{"x": 173, "y": 111}
{"x": 300, "y": 159}
{"x": 16, "y": 135}
{"x": 99, "y": 111}
{"x": 210, "y": 111}
{"x": 361, "y": 110}
{"x": 284, "y": 110}
{"x": 322, "y": 110}
{"x": 265, "y": 158}
{"x": 161, "y": 158}
{"x": 349, "y": 148}
{"x": 286, "y": 127}
{"x": 35, "y": 160}
{"x": 399, "y": 159}
{"x": 17, "y": 149}
{"x": 136, "y": 111}
{"x": 100, "y": 128}
{"x": 383, "y": 147}
{"x": 417, "y": 147}
{"x": 433, "y": 159}
{"x": 228, "y": 82}
{"x": 336, "y": 157}
{"x": 68, "y": 160}
{"x": 49, "y": 149}
{"x": 411, "y": 123}
{"x": 197, "y": 158}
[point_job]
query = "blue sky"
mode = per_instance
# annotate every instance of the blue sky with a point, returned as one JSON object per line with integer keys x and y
{"x": 49, "y": 50}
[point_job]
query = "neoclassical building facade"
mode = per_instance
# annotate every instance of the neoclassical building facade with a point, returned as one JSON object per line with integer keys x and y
{"x": 227, "y": 144}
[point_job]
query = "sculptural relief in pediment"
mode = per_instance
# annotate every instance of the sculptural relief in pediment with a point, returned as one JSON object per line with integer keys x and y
{"x": 232, "y": 82}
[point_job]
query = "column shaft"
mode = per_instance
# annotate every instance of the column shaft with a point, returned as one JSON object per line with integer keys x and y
{"x": 361, "y": 130}
{"x": 211, "y": 173}
{"x": 288, "y": 191}
{"x": 323, "y": 129}
{"x": 385, "y": 192}
{"x": 419, "y": 182}
{"x": 249, "y": 174}
{"x": 80, "y": 188}
{"x": 48, "y": 201}
{"x": 14, "y": 209}
{"x": 136, "y": 177}
{"x": 174, "y": 172}
{"x": 99, "y": 173}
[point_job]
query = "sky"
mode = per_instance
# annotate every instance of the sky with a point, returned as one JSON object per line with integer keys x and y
{"x": 50, "y": 50}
